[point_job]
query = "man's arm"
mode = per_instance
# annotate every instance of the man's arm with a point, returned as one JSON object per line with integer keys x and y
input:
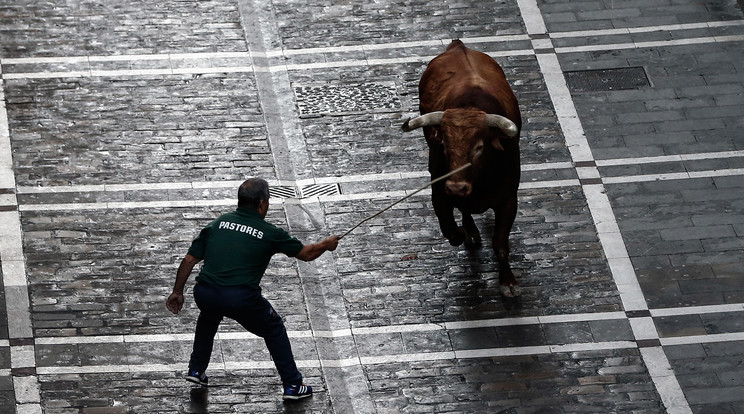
{"x": 174, "y": 303}
{"x": 313, "y": 251}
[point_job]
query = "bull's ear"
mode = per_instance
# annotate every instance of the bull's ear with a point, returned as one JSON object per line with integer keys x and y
{"x": 496, "y": 144}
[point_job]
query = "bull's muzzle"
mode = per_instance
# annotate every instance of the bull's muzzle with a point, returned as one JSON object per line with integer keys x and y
{"x": 458, "y": 188}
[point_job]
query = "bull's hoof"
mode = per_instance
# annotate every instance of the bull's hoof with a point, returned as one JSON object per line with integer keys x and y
{"x": 473, "y": 241}
{"x": 510, "y": 291}
{"x": 472, "y": 237}
{"x": 459, "y": 238}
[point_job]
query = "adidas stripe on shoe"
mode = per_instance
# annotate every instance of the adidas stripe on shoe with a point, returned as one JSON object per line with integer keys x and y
{"x": 297, "y": 392}
{"x": 197, "y": 378}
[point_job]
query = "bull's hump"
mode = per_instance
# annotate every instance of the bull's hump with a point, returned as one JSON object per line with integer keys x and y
{"x": 469, "y": 65}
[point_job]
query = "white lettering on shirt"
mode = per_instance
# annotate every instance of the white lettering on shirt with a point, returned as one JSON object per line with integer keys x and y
{"x": 242, "y": 228}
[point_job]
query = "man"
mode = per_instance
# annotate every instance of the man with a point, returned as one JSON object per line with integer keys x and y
{"x": 236, "y": 249}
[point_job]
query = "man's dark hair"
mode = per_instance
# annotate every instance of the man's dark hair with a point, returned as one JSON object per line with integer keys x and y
{"x": 252, "y": 192}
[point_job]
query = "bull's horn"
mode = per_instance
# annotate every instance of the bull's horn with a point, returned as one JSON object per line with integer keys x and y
{"x": 502, "y": 123}
{"x": 432, "y": 118}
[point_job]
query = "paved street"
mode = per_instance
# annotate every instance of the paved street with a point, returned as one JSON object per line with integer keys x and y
{"x": 125, "y": 127}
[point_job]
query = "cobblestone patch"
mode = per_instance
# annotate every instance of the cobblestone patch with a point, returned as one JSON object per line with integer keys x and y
{"x": 447, "y": 283}
{"x": 596, "y": 381}
{"x": 103, "y": 130}
{"x": 92, "y": 273}
{"x": 61, "y": 28}
{"x": 327, "y": 23}
{"x": 245, "y": 391}
{"x": 343, "y": 144}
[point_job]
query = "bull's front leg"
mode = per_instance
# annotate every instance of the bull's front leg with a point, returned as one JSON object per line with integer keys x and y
{"x": 504, "y": 220}
{"x": 472, "y": 235}
{"x": 445, "y": 214}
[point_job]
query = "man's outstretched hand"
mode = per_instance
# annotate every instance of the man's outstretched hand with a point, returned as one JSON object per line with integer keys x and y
{"x": 313, "y": 251}
{"x": 331, "y": 242}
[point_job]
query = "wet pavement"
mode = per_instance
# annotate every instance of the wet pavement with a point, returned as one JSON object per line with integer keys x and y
{"x": 125, "y": 128}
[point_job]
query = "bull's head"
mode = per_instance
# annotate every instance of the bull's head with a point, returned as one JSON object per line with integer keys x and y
{"x": 464, "y": 134}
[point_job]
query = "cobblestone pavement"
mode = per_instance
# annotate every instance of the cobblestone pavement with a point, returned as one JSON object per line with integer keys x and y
{"x": 126, "y": 126}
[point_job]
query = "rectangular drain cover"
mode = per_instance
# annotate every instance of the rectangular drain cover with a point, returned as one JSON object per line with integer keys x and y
{"x": 605, "y": 80}
{"x": 337, "y": 99}
{"x": 282, "y": 191}
{"x": 320, "y": 190}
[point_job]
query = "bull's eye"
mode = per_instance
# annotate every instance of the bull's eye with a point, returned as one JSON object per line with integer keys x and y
{"x": 478, "y": 148}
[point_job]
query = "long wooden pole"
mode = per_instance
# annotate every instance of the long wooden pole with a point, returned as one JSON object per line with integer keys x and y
{"x": 409, "y": 195}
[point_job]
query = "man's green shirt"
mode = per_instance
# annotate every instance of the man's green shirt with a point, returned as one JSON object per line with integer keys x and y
{"x": 237, "y": 248}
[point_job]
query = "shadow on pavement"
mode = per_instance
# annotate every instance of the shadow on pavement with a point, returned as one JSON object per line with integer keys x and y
{"x": 198, "y": 400}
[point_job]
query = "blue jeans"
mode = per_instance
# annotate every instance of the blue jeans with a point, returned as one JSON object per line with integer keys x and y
{"x": 251, "y": 310}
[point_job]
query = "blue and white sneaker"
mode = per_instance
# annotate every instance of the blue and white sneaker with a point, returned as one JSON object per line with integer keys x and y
{"x": 197, "y": 377}
{"x": 298, "y": 392}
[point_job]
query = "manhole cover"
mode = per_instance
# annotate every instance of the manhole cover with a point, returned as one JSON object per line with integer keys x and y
{"x": 327, "y": 99}
{"x": 603, "y": 80}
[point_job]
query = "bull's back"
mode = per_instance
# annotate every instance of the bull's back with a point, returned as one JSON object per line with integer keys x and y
{"x": 458, "y": 71}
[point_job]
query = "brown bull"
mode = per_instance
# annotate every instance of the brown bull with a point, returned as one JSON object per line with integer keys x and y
{"x": 470, "y": 115}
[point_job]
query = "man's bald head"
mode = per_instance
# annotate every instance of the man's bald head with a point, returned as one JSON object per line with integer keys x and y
{"x": 252, "y": 192}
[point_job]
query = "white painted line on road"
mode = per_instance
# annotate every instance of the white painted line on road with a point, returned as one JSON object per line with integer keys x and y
{"x": 565, "y": 110}
{"x": 601, "y": 220}
{"x": 12, "y": 260}
{"x": 347, "y": 362}
{"x": 698, "y": 310}
{"x": 533, "y": 22}
{"x": 703, "y": 339}
{"x": 611, "y": 240}
{"x": 532, "y": 17}
{"x": 645, "y": 29}
{"x": 426, "y": 327}
{"x": 666, "y": 382}
{"x": 592, "y": 346}
{"x": 670, "y": 158}
{"x": 650, "y": 44}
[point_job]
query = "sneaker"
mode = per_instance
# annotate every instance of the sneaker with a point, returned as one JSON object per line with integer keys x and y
{"x": 297, "y": 392}
{"x": 197, "y": 377}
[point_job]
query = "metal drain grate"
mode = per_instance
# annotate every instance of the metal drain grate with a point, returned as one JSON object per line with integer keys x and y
{"x": 604, "y": 80}
{"x": 327, "y": 99}
{"x": 282, "y": 191}
{"x": 320, "y": 190}
{"x": 313, "y": 190}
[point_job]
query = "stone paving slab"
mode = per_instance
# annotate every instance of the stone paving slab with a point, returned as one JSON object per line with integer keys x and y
{"x": 662, "y": 113}
{"x": 710, "y": 373}
{"x": 679, "y": 235}
{"x": 563, "y": 15}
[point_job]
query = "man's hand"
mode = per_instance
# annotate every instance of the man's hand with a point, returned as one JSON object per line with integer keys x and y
{"x": 174, "y": 303}
{"x": 313, "y": 251}
{"x": 331, "y": 242}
